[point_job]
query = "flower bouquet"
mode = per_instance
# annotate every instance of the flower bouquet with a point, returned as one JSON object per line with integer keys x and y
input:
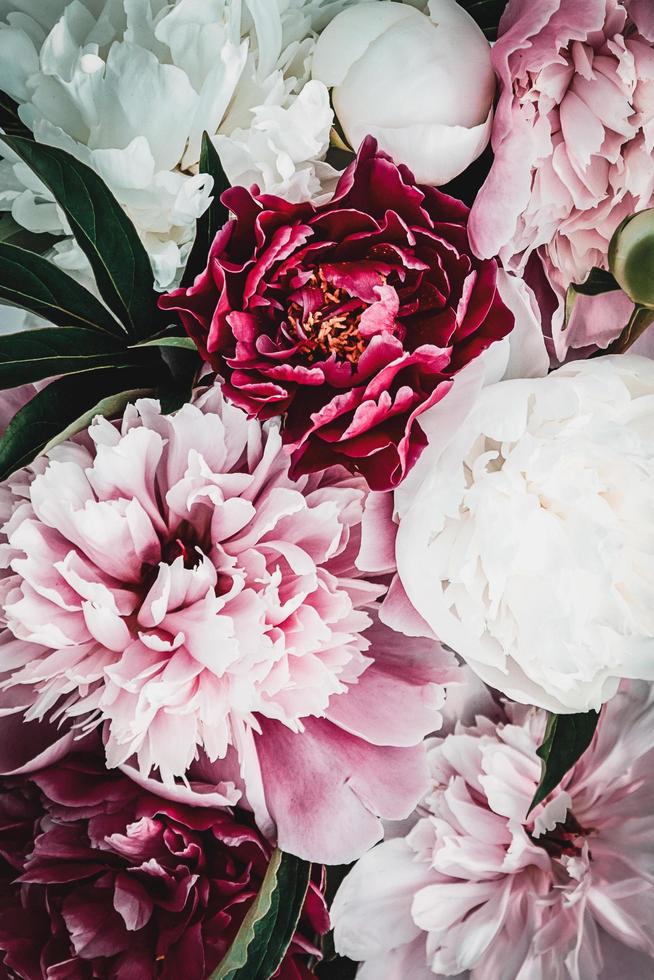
{"x": 326, "y": 489}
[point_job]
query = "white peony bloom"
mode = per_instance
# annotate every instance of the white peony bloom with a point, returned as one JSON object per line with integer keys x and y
{"x": 129, "y": 87}
{"x": 527, "y": 546}
{"x": 422, "y": 85}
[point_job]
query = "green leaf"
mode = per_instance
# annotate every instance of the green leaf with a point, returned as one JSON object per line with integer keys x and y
{"x": 8, "y": 227}
{"x": 33, "y": 283}
{"x": 111, "y": 407}
{"x": 213, "y": 218}
{"x": 102, "y": 230}
{"x": 60, "y": 407}
{"x": 641, "y": 318}
{"x": 271, "y": 920}
{"x": 10, "y": 121}
{"x": 566, "y": 739}
{"x": 598, "y": 281}
{"x": 36, "y": 354}
{"x": 486, "y": 13}
{"x": 168, "y": 341}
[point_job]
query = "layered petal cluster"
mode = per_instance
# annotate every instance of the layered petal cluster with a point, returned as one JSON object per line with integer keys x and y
{"x": 351, "y": 317}
{"x": 527, "y": 545}
{"x": 573, "y": 137}
{"x": 167, "y": 577}
{"x": 479, "y": 889}
{"x": 129, "y": 88}
{"x": 100, "y": 879}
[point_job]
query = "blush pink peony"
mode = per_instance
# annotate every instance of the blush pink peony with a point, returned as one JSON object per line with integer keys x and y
{"x": 166, "y": 578}
{"x": 479, "y": 889}
{"x": 573, "y": 137}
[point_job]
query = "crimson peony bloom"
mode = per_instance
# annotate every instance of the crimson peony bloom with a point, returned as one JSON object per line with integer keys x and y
{"x": 100, "y": 879}
{"x": 351, "y": 318}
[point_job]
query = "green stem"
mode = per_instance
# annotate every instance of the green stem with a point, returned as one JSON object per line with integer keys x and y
{"x": 639, "y": 321}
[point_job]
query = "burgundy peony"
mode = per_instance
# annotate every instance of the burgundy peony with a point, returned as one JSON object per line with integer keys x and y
{"x": 101, "y": 880}
{"x": 350, "y": 318}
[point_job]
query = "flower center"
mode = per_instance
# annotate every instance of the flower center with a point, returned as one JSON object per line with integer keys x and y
{"x": 333, "y": 327}
{"x": 564, "y": 838}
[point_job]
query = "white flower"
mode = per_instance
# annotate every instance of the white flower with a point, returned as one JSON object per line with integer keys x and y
{"x": 422, "y": 85}
{"x": 129, "y": 87}
{"x": 528, "y": 544}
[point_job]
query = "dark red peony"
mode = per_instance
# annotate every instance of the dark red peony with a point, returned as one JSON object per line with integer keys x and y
{"x": 101, "y": 880}
{"x": 350, "y": 318}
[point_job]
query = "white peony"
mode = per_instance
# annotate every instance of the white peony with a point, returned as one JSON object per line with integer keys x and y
{"x": 528, "y": 544}
{"x": 129, "y": 87}
{"x": 422, "y": 85}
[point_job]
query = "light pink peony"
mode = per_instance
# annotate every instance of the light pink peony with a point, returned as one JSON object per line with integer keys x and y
{"x": 167, "y": 578}
{"x": 573, "y": 137}
{"x": 478, "y": 889}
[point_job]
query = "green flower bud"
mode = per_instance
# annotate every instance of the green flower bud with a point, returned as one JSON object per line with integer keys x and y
{"x": 631, "y": 257}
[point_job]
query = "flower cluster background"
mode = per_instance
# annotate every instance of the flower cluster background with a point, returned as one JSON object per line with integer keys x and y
{"x": 326, "y": 489}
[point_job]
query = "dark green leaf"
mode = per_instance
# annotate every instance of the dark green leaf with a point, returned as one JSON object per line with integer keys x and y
{"x": 36, "y": 354}
{"x": 598, "y": 281}
{"x": 66, "y": 405}
{"x": 641, "y": 318}
{"x": 214, "y": 217}
{"x": 566, "y": 739}
{"x": 103, "y": 231}
{"x": 8, "y": 227}
{"x": 486, "y": 13}
{"x": 271, "y": 920}
{"x": 170, "y": 340}
{"x": 33, "y": 283}
{"x": 10, "y": 121}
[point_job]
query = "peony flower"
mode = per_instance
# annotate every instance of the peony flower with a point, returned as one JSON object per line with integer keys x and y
{"x": 573, "y": 137}
{"x": 480, "y": 890}
{"x": 434, "y": 116}
{"x": 527, "y": 544}
{"x": 99, "y": 879}
{"x": 166, "y": 578}
{"x": 351, "y": 317}
{"x": 129, "y": 87}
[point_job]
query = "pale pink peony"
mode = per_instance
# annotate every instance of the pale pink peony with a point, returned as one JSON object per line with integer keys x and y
{"x": 573, "y": 137}
{"x": 478, "y": 889}
{"x": 167, "y": 578}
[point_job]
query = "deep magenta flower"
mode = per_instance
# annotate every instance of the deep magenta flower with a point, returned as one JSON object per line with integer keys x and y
{"x": 99, "y": 879}
{"x": 351, "y": 318}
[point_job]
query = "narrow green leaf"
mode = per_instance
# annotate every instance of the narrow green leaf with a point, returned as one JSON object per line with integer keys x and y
{"x": 641, "y": 318}
{"x": 111, "y": 407}
{"x": 8, "y": 227}
{"x": 102, "y": 230}
{"x": 36, "y": 284}
{"x": 36, "y": 354}
{"x": 487, "y": 14}
{"x": 58, "y": 407}
{"x": 170, "y": 341}
{"x": 566, "y": 739}
{"x": 214, "y": 217}
{"x": 598, "y": 281}
{"x": 268, "y": 927}
{"x": 10, "y": 121}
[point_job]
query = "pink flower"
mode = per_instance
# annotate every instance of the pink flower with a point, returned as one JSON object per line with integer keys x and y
{"x": 350, "y": 318}
{"x": 99, "y": 879}
{"x": 566, "y": 893}
{"x": 573, "y": 137}
{"x": 167, "y": 577}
